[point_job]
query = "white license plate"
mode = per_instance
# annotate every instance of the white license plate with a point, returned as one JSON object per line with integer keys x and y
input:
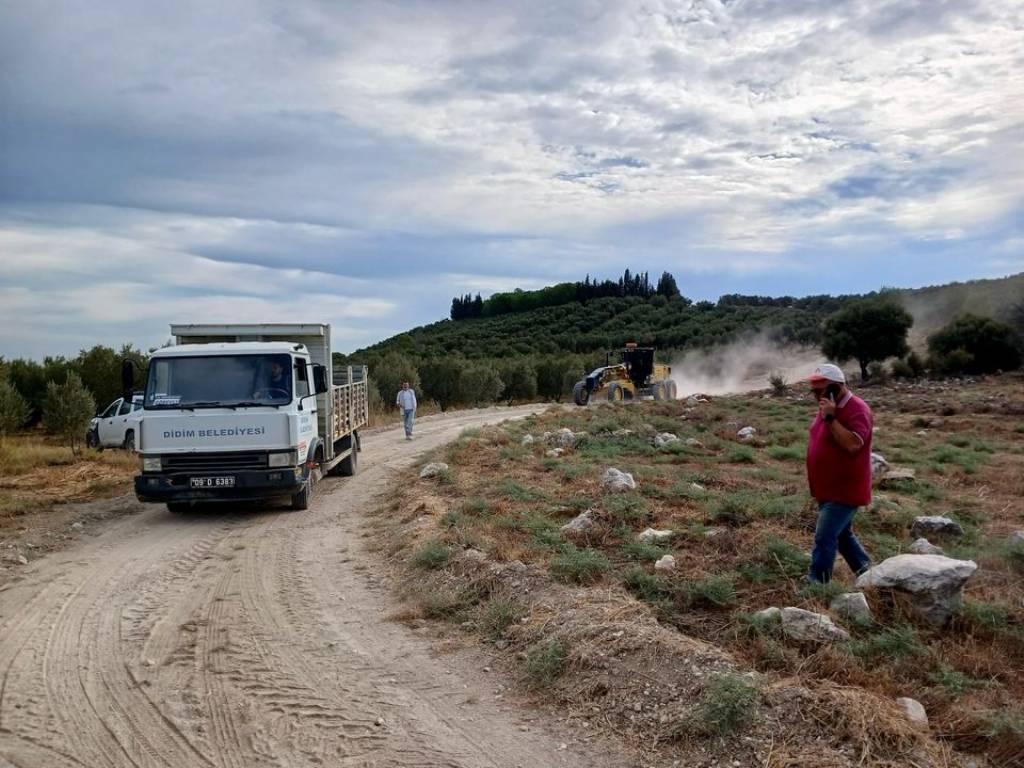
{"x": 212, "y": 482}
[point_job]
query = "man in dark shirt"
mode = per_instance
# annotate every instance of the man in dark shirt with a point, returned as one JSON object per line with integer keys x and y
{"x": 838, "y": 471}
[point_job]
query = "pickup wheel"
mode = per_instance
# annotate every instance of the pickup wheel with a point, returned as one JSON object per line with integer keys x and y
{"x": 129, "y": 441}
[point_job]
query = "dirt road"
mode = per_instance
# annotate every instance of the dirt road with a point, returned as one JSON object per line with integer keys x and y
{"x": 250, "y": 638}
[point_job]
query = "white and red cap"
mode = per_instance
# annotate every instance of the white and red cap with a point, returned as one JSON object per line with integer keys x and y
{"x": 828, "y": 372}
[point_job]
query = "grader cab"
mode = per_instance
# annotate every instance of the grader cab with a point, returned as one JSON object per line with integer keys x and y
{"x": 636, "y": 375}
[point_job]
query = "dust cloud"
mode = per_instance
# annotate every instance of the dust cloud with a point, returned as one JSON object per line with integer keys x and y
{"x": 741, "y": 366}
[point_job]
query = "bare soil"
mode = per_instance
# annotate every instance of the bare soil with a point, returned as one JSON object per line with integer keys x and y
{"x": 245, "y": 636}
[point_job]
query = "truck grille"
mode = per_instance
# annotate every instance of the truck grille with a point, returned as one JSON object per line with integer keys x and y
{"x": 213, "y": 462}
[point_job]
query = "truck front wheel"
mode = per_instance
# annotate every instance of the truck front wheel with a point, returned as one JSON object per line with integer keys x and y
{"x": 304, "y": 498}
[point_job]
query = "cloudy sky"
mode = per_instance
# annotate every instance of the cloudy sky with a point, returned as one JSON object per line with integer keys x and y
{"x": 362, "y": 162}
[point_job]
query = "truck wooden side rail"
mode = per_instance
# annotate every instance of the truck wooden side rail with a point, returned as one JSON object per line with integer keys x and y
{"x": 350, "y": 402}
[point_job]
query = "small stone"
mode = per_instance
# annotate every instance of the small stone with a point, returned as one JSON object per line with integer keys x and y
{"x": 713, "y": 531}
{"x": 77, "y": 525}
{"x": 913, "y": 709}
{"x": 693, "y": 442}
{"x": 527, "y": 440}
{"x": 617, "y": 481}
{"x": 379, "y": 722}
{"x": 936, "y": 524}
{"x": 554, "y": 453}
{"x": 582, "y": 523}
{"x": 664, "y": 438}
{"x": 747, "y": 432}
{"x": 853, "y": 606}
{"x": 433, "y": 469}
{"x": 924, "y": 547}
{"x": 1017, "y": 537}
{"x": 22, "y": 559}
{"x": 878, "y": 464}
{"x": 898, "y": 477}
{"x": 472, "y": 556}
{"x": 652, "y": 535}
{"x": 697, "y": 487}
{"x": 807, "y": 626}
{"x": 665, "y": 563}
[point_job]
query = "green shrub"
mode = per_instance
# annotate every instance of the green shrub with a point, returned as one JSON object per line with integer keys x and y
{"x": 786, "y": 452}
{"x": 782, "y": 556}
{"x": 896, "y": 643}
{"x": 545, "y": 663}
{"x": 974, "y": 344}
{"x": 629, "y": 507}
{"x": 432, "y": 555}
{"x": 498, "y": 615}
{"x": 741, "y": 454}
{"x": 778, "y": 384}
{"x": 579, "y": 566}
{"x": 731, "y": 510}
{"x": 476, "y": 507}
{"x": 711, "y": 592}
{"x": 646, "y": 586}
{"x": 727, "y": 706}
{"x": 955, "y": 683}
{"x": 513, "y": 490}
{"x": 635, "y": 549}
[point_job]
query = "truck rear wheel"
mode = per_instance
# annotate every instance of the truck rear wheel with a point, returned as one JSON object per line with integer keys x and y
{"x": 350, "y": 464}
{"x": 580, "y": 393}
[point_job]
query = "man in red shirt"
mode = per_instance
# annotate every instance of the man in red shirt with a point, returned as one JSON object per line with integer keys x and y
{"x": 838, "y": 471}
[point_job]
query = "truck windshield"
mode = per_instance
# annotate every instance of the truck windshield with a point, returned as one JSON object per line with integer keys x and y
{"x": 211, "y": 381}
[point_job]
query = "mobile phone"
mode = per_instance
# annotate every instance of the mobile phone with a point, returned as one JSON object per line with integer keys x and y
{"x": 833, "y": 392}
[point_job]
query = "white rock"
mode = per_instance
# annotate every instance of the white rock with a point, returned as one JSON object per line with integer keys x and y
{"x": 22, "y": 559}
{"x": 924, "y": 547}
{"x": 933, "y": 584}
{"x": 747, "y": 432}
{"x": 472, "y": 556}
{"x": 554, "y": 453}
{"x": 878, "y": 464}
{"x": 653, "y": 535}
{"x": 582, "y": 523}
{"x": 697, "y": 487}
{"x": 809, "y": 627}
{"x": 913, "y": 709}
{"x": 563, "y": 438}
{"x": 936, "y": 524}
{"x": 898, "y": 477}
{"x": 692, "y": 400}
{"x": 664, "y": 438}
{"x": 433, "y": 469}
{"x": 1017, "y": 537}
{"x": 665, "y": 563}
{"x": 527, "y": 440}
{"x": 623, "y": 433}
{"x": 693, "y": 442}
{"x": 77, "y": 525}
{"x": 853, "y": 606}
{"x": 617, "y": 481}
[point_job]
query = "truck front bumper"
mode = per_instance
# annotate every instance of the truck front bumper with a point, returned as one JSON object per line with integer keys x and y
{"x": 163, "y": 487}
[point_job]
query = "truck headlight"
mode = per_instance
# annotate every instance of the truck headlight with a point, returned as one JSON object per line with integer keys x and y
{"x": 284, "y": 459}
{"x": 151, "y": 464}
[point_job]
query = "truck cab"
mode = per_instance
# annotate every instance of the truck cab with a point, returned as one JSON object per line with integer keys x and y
{"x": 238, "y": 420}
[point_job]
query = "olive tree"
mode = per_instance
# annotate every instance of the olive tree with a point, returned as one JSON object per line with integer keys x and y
{"x": 67, "y": 409}
{"x": 14, "y": 409}
{"x": 867, "y": 331}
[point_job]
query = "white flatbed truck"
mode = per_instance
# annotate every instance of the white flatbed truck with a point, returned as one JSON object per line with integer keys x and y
{"x": 239, "y": 412}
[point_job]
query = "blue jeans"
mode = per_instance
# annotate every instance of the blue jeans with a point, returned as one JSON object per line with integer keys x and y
{"x": 408, "y": 415}
{"x": 833, "y": 533}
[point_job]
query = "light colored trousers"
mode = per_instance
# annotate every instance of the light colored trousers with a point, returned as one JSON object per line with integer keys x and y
{"x": 408, "y": 416}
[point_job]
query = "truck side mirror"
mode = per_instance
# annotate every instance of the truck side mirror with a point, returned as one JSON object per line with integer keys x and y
{"x": 127, "y": 379}
{"x": 320, "y": 379}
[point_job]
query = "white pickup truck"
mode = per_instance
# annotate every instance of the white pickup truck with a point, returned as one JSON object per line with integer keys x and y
{"x": 234, "y": 412}
{"x": 117, "y": 426}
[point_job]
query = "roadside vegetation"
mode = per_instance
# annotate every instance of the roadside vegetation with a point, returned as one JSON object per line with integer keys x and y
{"x": 587, "y": 618}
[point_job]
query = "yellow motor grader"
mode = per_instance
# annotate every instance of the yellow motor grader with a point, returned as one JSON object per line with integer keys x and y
{"x": 636, "y": 375}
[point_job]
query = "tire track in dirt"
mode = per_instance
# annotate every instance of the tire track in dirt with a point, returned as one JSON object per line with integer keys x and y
{"x": 241, "y": 639}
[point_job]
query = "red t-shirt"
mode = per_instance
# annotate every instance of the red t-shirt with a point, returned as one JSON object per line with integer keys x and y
{"x": 833, "y": 473}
